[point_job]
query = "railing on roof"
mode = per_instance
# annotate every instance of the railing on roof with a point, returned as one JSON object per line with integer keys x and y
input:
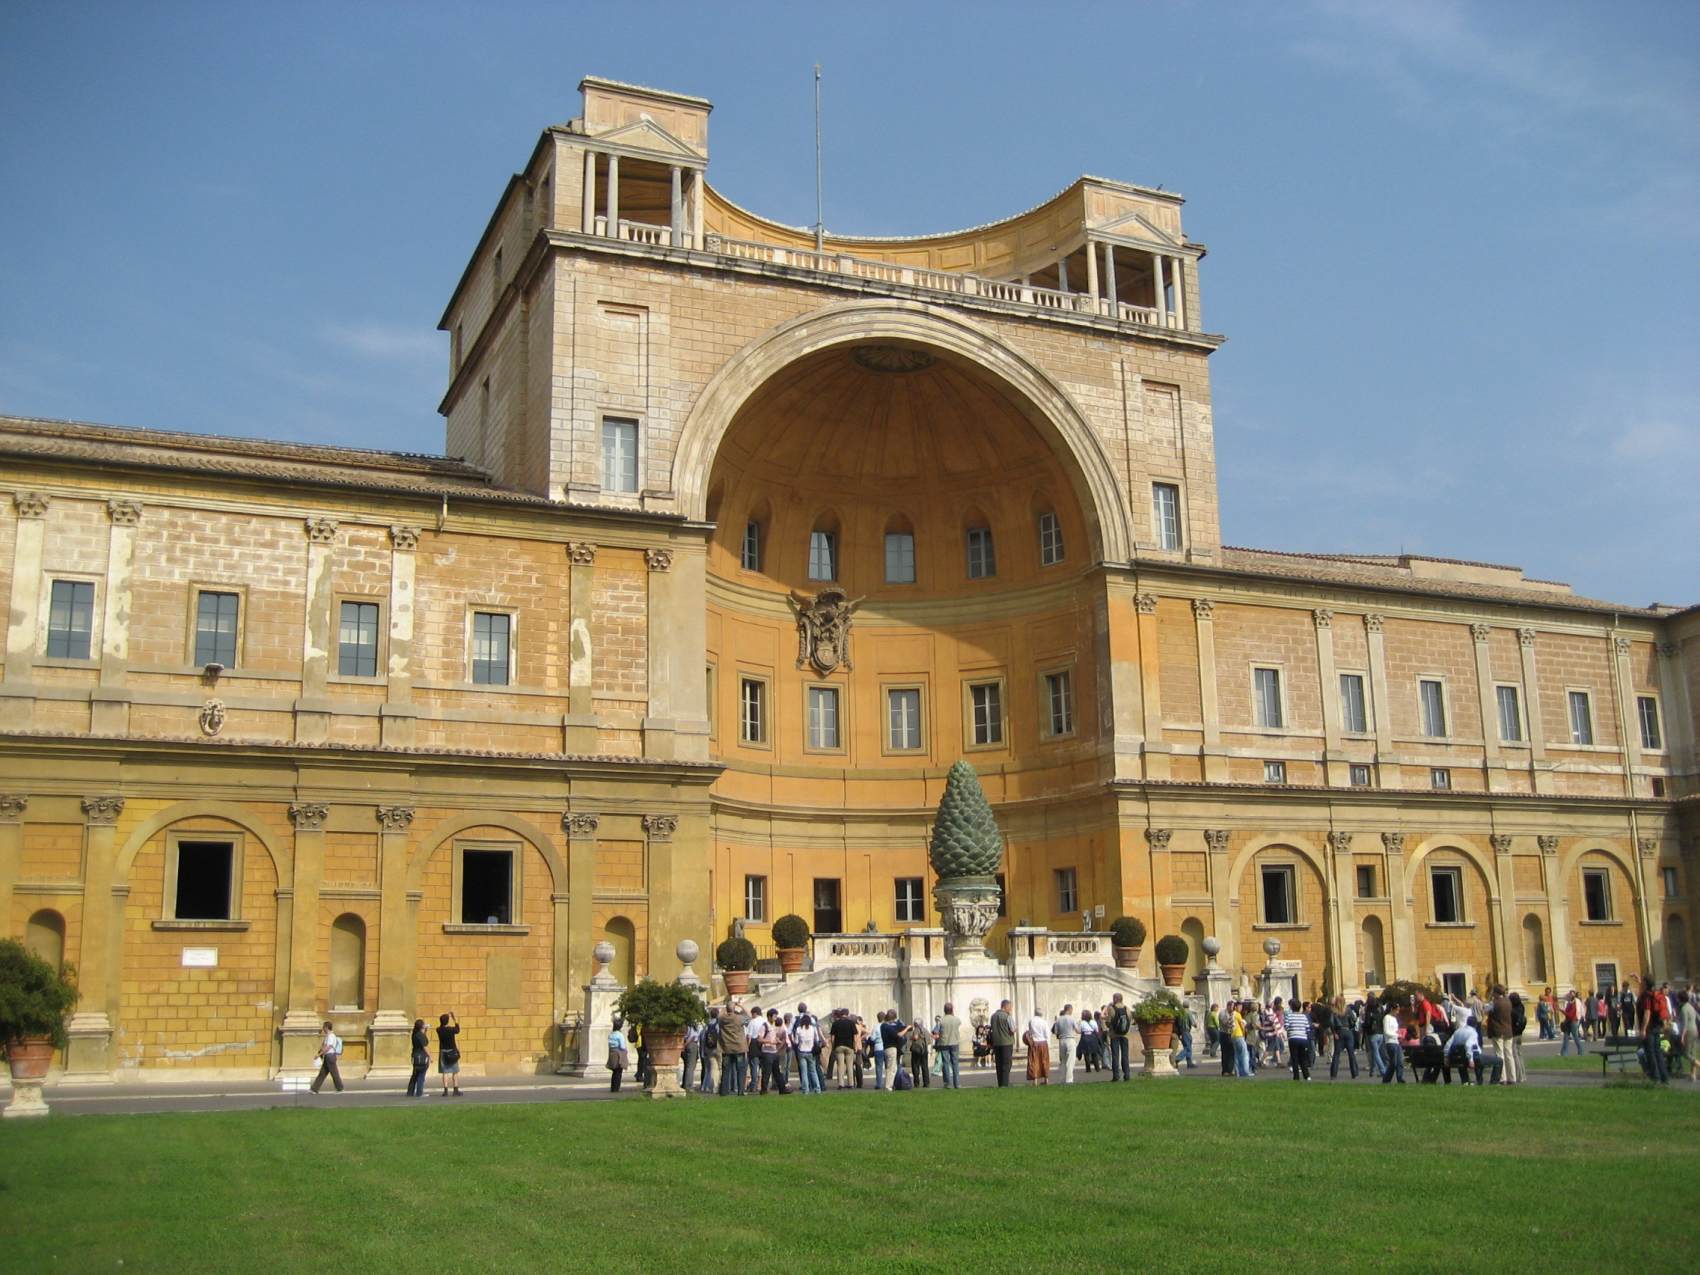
{"x": 956, "y": 284}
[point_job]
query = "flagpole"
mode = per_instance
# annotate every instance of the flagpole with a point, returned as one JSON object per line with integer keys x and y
{"x": 820, "y": 222}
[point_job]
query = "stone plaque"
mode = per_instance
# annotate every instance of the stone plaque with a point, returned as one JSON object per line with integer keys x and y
{"x": 200, "y": 957}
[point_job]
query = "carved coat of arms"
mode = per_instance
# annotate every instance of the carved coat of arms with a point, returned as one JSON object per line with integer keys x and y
{"x": 823, "y": 629}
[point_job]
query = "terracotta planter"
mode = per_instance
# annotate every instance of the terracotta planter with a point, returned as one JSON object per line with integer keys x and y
{"x": 791, "y": 959}
{"x": 737, "y": 982}
{"x": 1157, "y": 1035}
{"x": 30, "y": 1057}
{"x": 1172, "y": 974}
{"x": 1127, "y": 958}
{"x": 664, "y": 1051}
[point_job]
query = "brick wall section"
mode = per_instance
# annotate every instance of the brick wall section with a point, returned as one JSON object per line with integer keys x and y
{"x": 52, "y": 852}
{"x": 1177, "y": 651}
{"x": 460, "y": 574}
{"x": 619, "y": 623}
{"x": 351, "y": 858}
{"x": 619, "y": 865}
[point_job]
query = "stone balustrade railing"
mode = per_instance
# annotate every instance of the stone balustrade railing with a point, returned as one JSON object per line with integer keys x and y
{"x": 850, "y": 949}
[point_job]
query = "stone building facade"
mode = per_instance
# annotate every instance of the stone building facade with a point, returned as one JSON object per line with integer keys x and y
{"x": 747, "y": 538}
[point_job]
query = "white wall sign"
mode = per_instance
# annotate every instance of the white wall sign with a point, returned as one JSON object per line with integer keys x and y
{"x": 202, "y": 957}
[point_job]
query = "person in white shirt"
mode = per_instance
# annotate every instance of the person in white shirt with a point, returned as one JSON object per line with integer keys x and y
{"x": 1463, "y": 1049}
{"x": 1090, "y": 1044}
{"x": 1392, "y": 1054}
{"x": 1037, "y": 1038}
{"x": 805, "y": 1036}
{"x": 330, "y": 1049}
{"x": 1067, "y": 1031}
{"x": 755, "y": 1031}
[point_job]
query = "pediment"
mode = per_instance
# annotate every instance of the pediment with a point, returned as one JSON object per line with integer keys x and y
{"x": 1134, "y": 225}
{"x": 646, "y": 135}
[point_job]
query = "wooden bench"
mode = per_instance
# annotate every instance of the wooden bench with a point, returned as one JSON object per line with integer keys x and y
{"x": 1619, "y": 1051}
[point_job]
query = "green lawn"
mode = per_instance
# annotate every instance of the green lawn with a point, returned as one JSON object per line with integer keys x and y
{"x": 1127, "y": 1177}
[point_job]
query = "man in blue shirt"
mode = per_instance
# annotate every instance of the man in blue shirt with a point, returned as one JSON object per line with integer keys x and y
{"x": 891, "y": 1040}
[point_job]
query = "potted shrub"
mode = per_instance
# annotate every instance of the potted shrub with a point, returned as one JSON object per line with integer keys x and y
{"x": 791, "y": 937}
{"x": 1156, "y": 1016}
{"x": 1171, "y": 959}
{"x": 664, "y": 1011}
{"x": 35, "y": 1000}
{"x": 1127, "y": 935}
{"x": 736, "y": 958}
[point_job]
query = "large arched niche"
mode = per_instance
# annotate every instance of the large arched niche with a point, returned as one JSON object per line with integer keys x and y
{"x": 999, "y": 379}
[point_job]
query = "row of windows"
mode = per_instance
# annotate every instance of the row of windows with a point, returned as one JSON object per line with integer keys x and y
{"x": 909, "y": 899}
{"x": 1360, "y": 775}
{"x": 1280, "y": 899}
{"x": 1269, "y": 709}
{"x": 984, "y": 707}
{"x": 979, "y": 547}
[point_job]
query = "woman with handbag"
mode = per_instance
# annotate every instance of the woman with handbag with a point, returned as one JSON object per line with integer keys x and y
{"x": 616, "y": 1055}
{"x": 421, "y": 1060}
{"x": 448, "y": 1052}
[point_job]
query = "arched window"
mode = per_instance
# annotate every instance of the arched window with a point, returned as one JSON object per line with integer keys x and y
{"x": 899, "y": 550}
{"x": 45, "y": 936}
{"x": 1051, "y": 549}
{"x": 823, "y": 549}
{"x": 982, "y": 553}
{"x": 348, "y": 962}
{"x": 1534, "y": 950}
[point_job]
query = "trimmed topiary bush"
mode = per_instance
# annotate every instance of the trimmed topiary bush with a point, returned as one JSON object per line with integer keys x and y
{"x": 1127, "y": 931}
{"x": 736, "y": 954}
{"x": 966, "y": 841}
{"x": 790, "y": 930}
{"x": 1172, "y": 949}
{"x": 35, "y": 998}
{"x": 661, "y": 1007}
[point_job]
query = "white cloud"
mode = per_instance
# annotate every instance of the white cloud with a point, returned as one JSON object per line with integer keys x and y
{"x": 1657, "y": 440}
{"x": 388, "y": 341}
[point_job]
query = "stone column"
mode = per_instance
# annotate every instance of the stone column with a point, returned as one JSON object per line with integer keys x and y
{"x": 665, "y": 620}
{"x": 614, "y": 196}
{"x": 1558, "y": 917}
{"x": 1504, "y": 907}
{"x": 392, "y": 1025}
{"x": 1062, "y": 274}
{"x": 1403, "y": 939}
{"x": 1151, "y": 691}
{"x": 1160, "y": 303}
{"x": 313, "y": 709}
{"x": 1177, "y": 271}
{"x": 587, "y": 200}
{"x": 109, "y": 707}
{"x": 1541, "y": 774}
{"x": 301, "y": 1019}
{"x": 398, "y": 711}
{"x": 676, "y": 212}
{"x": 1204, "y": 626}
{"x": 581, "y": 828}
{"x": 1488, "y": 707}
{"x": 1121, "y": 637}
{"x": 1335, "y": 765}
{"x": 1162, "y": 881}
{"x": 696, "y": 209}
{"x": 1628, "y": 721}
{"x": 658, "y": 859}
{"x": 1110, "y": 279}
{"x": 1647, "y": 909}
{"x": 1677, "y": 715}
{"x": 580, "y": 721}
{"x": 1092, "y": 272}
{"x": 1342, "y": 916}
{"x": 17, "y": 706}
{"x": 1221, "y": 895}
{"x": 1387, "y": 772}
{"x": 12, "y": 807}
{"x": 89, "y": 1056}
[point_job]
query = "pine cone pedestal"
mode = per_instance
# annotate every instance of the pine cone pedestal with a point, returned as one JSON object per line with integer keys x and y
{"x": 967, "y": 908}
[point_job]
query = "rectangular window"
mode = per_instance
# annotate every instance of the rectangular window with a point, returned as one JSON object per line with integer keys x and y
{"x": 1605, "y": 977}
{"x": 1448, "y": 887}
{"x": 1266, "y": 696}
{"x": 986, "y": 700}
{"x": 1354, "y": 709}
{"x": 829, "y": 912}
{"x": 1360, "y": 776}
{"x": 1581, "y": 718}
{"x": 755, "y": 898}
{"x": 1068, "y": 893}
{"x": 1003, "y": 894}
{"x": 982, "y": 557}
{"x": 487, "y": 887}
{"x": 70, "y": 620}
{"x": 823, "y": 717}
{"x": 752, "y": 711}
{"x": 357, "y": 640}
{"x": 1669, "y": 875}
{"x": 903, "y": 718}
{"x": 750, "y": 557}
{"x": 1050, "y": 540}
{"x": 1433, "y": 696}
{"x": 910, "y": 901}
{"x": 1647, "y": 710}
{"x": 1366, "y": 880}
{"x": 1455, "y": 985}
{"x": 1166, "y": 514}
{"x": 823, "y": 555}
{"x": 1279, "y": 905}
{"x": 1510, "y": 715}
{"x": 1596, "y": 894}
{"x": 215, "y": 628}
{"x": 899, "y": 557}
{"x": 1440, "y": 778}
{"x": 619, "y": 454}
{"x": 204, "y": 870}
{"x": 1274, "y": 772}
{"x": 492, "y": 634}
{"x": 1059, "y": 696}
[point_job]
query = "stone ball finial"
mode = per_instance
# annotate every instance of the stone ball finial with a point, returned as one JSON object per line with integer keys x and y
{"x": 1212, "y": 946}
{"x": 1271, "y": 948}
{"x": 687, "y": 951}
{"x": 603, "y": 952}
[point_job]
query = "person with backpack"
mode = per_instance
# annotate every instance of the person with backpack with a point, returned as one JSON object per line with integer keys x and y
{"x": 891, "y": 1047}
{"x": 708, "y": 1050}
{"x": 1121, "y": 1026}
{"x": 1572, "y": 1027}
{"x": 1498, "y": 1028}
{"x": 1519, "y": 1024}
{"x": 1089, "y": 1041}
{"x": 330, "y": 1049}
{"x": 421, "y": 1059}
{"x": 1653, "y": 1015}
{"x": 919, "y": 1039}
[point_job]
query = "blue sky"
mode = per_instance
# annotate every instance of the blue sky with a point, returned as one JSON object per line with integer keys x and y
{"x": 1455, "y": 248}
